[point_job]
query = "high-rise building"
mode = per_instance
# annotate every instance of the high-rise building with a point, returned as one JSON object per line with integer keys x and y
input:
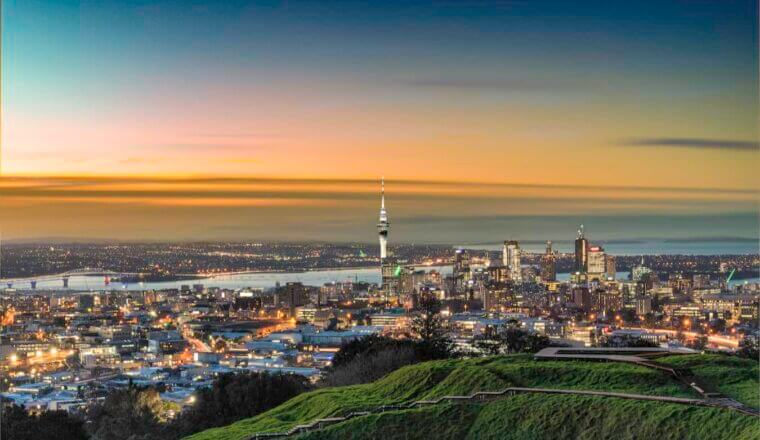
{"x": 638, "y": 272}
{"x": 383, "y": 225}
{"x": 461, "y": 270}
{"x": 643, "y": 305}
{"x": 511, "y": 259}
{"x": 497, "y": 271}
{"x": 596, "y": 260}
{"x": 581, "y": 252}
{"x": 548, "y": 264}
{"x": 391, "y": 272}
{"x": 292, "y": 295}
{"x": 582, "y": 298}
{"x": 610, "y": 264}
{"x": 461, "y": 262}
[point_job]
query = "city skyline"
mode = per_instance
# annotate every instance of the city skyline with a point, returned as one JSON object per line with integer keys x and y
{"x": 470, "y": 219}
{"x": 154, "y": 120}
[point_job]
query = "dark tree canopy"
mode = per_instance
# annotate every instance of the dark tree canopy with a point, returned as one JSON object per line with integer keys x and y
{"x": 510, "y": 339}
{"x": 138, "y": 414}
{"x": 17, "y": 424}
{"x": 625, "y": 341}
{"x": 427, "y": 325}
{"x": 367, "y": 346}
{"x": 238, "y": 396}
{"x": 127, "y": 414}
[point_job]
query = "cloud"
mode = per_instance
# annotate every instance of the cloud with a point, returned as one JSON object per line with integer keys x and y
{"x": 209, "y": 146}
{"x": 239, "y": 135}
{"x": 151, "y": 207}
{"x": 506, "y": 84}
{"x": 404, "y": 186}
{"x": 695, "y": 143}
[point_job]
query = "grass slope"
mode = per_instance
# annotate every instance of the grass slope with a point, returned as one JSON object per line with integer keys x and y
{"x": 732, "y": 376}
{"x": 529, "y": 417}
{"x": 434, "y": 379}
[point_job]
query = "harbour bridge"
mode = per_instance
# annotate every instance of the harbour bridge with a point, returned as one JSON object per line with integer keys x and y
{"x": 31, "y": 282}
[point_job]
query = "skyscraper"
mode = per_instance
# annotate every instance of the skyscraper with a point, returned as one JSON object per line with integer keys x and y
{"x": 548, "y": 264}
{"x": 511, "y": 258}
{"x": 461, "y": 269}
{"x": 383, "y": 225}
{"x": 461, "y": 262}
{"x": 581, "y": 252}
{"x": 609, "y": 266}
{"x": 596, "y": 260}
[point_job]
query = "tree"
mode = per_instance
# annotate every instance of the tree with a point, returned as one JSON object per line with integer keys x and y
{"x": 371, "y": 366}
{"x": 750, "y": 348}
{"x": 233, "y": 397}
{"x": 625, "y": 341}
{"x": 535, "y": 343}
{"x": 372, "y": 357}
{"x": 367, "y": 346}
{"x": 18, "y": 424}
{"x": 332, "y": 324}
{"x": 427, "y": 325}
{"x": 489, "y": 342}
{"x": 511, "y": 339}
{"x": 656, "y": 303}
{"x": 698, "y": 343}
{"x": 719, "y": 325}
{"x": 629, "y": 316}
{"x": 128, "y": 414}
{"x": 650, "y": 320}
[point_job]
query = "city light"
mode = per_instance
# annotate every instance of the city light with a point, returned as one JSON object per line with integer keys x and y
{"x": 379, "y": 220}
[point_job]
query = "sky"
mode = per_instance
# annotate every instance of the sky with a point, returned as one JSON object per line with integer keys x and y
{"x": 235, "y": 120}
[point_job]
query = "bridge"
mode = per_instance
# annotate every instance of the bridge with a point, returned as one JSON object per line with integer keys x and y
{"x": 64, "y": 277}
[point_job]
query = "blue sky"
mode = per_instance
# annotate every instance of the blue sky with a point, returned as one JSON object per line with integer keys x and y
{"x": 609, "y": 95}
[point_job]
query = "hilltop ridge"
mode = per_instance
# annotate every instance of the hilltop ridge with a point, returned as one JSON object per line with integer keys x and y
{"x": 521, "y": 416}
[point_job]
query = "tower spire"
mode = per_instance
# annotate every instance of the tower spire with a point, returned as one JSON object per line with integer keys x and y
{"x": 383, "y": 225}
{"x": 382, "y": 192}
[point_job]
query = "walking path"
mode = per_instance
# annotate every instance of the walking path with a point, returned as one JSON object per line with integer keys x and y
{"x": 488, "y": 395}
{"x": 644, "y": 357}
{"x": 637, "y": 356}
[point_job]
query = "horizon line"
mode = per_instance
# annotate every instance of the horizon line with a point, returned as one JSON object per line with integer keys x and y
{"x": 217, "y": 178}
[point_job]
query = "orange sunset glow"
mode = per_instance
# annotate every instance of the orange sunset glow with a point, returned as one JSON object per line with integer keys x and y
{"x": 463, "y": 127}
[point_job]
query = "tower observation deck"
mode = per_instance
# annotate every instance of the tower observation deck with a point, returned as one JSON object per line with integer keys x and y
{"x": 383, "y": 225}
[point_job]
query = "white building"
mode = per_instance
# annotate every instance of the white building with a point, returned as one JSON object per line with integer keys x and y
{"x": 511, "y": 259}
{"x": 596, "y": 260}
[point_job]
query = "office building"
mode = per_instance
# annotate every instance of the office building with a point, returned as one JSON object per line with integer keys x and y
{"x": 548, "y": 264}
{"x": 581, "y": 252}
{"x": 511, "y": 259}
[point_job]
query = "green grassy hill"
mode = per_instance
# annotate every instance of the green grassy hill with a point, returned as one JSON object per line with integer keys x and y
{"x": 732, "y": 376}
{"x": 529, "y": 417}
{"x": 525, "y": 416}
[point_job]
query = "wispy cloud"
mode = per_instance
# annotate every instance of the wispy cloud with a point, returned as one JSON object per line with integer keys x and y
{"x": 213, "y": 147}
{"x": 239, "y": 135}
{"x": 694, "y": 143}
{"x": 503, "y": 84}
{"x": 404, "y": 186}
{"x": 147, "y": 207}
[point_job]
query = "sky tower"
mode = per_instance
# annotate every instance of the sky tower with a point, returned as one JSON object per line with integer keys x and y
{"x": 383, "y": 225}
